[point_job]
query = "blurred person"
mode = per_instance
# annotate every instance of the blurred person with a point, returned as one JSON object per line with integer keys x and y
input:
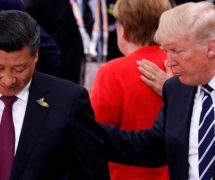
{"x": 49, "y": 131}
{"x": 118, "y": 96}
{"x": 113, "y": 49}
{"x": 183, "y": 133}
{"x": 58, "y": 20}
{"x": 99, "y": 30}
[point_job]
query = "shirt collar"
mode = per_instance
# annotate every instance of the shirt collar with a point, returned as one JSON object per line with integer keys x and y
{"x": 211, "y": 84}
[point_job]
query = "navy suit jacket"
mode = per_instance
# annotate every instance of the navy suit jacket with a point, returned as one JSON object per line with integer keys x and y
{"x": 61, "y": 141}
{"x": 167, "y": 142}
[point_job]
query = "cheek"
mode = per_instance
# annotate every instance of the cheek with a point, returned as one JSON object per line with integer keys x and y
{"x": 196, "y": 68}
{"x": 187, "y": 61}
{"x": 24, "y": 78}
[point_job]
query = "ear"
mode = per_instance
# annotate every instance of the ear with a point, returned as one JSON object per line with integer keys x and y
{"x": 211, "y": 49}
{"x": 120, "y": 30}
{"x": 125, "y": 37}
{"x": 36, "y": 56}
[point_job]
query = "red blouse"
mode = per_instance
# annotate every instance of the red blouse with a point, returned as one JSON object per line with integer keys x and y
{"x": 121, "y": 99}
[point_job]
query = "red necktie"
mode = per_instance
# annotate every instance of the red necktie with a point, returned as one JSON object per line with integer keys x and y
{"x": 7, "y": 138}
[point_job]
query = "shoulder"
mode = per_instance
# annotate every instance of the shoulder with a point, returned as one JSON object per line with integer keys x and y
{"x": 174, "y": 87}
{"x": 119, "y": 66}
{"x": 175, "y": 83}
{"x": 113, "y": 63}
{"x": 55, "y": 84}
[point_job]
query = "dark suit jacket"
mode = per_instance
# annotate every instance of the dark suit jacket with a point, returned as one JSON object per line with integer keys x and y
{"x": 168, "y": 140}
{"x": 61, "y": 141}
{"x": 50, "y": 59}
{"x": 57, "y": 19}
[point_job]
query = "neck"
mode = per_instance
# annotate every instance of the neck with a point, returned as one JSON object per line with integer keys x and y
{"x": 131, "y": 47}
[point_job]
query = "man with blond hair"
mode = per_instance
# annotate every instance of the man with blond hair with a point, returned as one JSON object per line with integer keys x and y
{"x": 183, "y": 134}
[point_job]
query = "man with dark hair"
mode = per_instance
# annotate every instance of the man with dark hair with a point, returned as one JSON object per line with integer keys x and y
{"x": 47, "y": 129}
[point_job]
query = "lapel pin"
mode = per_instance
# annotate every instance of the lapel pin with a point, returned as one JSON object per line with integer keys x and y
{"x": 41, "y": 102}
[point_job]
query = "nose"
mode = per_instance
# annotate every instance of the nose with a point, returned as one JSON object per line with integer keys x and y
{"x": 7, "y": 79}
{"x": 170, "y": 60}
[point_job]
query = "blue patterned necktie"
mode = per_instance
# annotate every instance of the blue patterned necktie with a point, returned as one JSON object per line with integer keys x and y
{"x": 206, "y": 136}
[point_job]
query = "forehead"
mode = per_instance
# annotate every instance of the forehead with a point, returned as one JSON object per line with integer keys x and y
{"x": 181, "y": 41}
{"x": 15, "y": 55}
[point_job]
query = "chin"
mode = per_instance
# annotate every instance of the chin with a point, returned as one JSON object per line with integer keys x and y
{"x": 8, "y": 92}
{"x": 187, "y": 81}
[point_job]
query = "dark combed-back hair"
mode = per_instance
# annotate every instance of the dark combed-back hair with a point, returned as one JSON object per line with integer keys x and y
{"x": 18, "y": 30}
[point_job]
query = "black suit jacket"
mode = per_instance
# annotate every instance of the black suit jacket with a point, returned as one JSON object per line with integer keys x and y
{"x": 168, "y": 140}
{"x": 49, "y": 60}
{"x": 57, "y": 19}
{"x": 61, "y": 141}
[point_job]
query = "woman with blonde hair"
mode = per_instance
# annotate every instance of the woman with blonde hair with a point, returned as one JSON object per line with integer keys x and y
{"x": 118, "y": 95}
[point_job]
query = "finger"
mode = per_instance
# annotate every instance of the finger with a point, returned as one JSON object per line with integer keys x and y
{"x": 147, "y": 81}
{"x": 151, "y": 70}
{"x": 147, "y": 68}
{"x": 152, "y": 84}
{"x": 146, "y": 72}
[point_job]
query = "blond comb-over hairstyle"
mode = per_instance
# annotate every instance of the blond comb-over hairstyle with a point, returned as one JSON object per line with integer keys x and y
{"x": 193, "y": 20}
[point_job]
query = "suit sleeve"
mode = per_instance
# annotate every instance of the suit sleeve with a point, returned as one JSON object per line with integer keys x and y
{"x": 142, "y": 148}
{"x": 88, "y": 145}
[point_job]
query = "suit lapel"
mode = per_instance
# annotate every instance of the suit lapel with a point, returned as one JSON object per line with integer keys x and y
{"x": 187, "y": 101}
{"x": 34, "y": 119}
{"x": 180, "y": 110}
{"x": 180, "y": 128}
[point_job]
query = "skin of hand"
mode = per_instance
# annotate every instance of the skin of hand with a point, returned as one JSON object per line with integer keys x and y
{"x": 152, "y": 75}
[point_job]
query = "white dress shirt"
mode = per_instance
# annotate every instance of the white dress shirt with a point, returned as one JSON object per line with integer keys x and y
{"x": 18, "y": 110}
{"x": 193, "y": 140}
